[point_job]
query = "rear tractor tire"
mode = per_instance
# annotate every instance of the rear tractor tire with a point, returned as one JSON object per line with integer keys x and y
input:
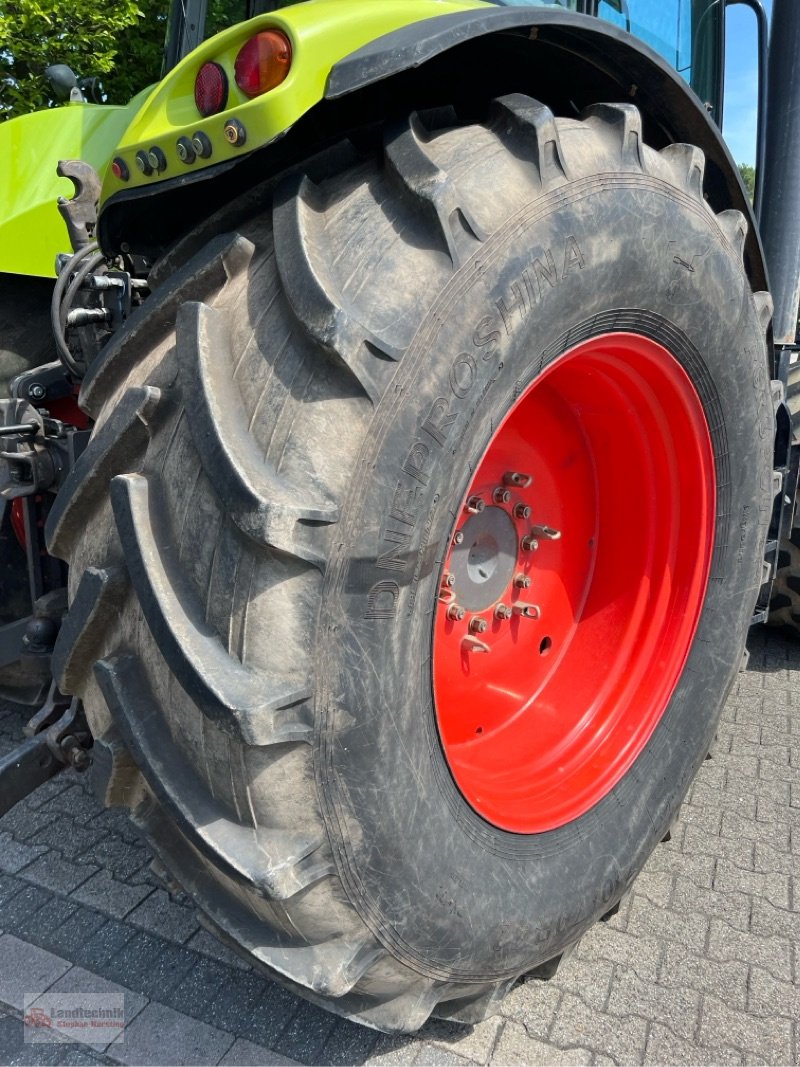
{"x": 404, "y": 595}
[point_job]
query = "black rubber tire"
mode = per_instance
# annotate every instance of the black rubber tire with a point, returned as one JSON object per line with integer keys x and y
{"x": 252, "y": 642}
{"x": 784, "y": 605}
{"x": 26, "y": 337}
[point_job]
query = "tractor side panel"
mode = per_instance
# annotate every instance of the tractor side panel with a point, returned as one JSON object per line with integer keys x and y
{"x": 32, "y": 231}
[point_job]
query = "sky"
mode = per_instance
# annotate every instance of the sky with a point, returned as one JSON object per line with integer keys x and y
{"x": 741, "y": 83}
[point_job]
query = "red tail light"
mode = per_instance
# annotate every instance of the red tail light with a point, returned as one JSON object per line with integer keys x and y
{"x": 210, "y": 89}
{"x": 263, "y": 62}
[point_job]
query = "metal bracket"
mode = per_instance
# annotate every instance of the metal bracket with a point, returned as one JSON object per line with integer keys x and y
{"x": 79, "y": 212}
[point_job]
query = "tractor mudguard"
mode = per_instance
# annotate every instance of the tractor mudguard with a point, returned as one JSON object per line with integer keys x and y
{"x": 32, "y": 232}
{"x": 413, "y": 53}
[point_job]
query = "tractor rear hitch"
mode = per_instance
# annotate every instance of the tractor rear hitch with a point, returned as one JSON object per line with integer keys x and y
{"x": 57, "y": 737}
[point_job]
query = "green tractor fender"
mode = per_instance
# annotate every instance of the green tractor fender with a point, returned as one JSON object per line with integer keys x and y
{"x": 32, "y": 232}
{"x": 356, "y": 62}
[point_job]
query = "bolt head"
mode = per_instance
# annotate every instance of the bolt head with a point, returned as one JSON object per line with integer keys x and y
{"x": 522, "y": 511}
{"x": 449, "y": 580}
{"x": 529, "y": 544}
{"x": 501, "y": 495}
{"x": 37, "y": 391}
{"x": 478, "y": 625}
{"x": 502, "y": 611}
{"x": 458, "y": 538}
{"x": 475, "y": 504}
{"x": 516, "y": 478}
{"x": 522, "y": 581}
{"x": 455, "y": 613}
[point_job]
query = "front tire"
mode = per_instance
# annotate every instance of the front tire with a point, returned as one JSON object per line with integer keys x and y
{"x": 257, "y": 530}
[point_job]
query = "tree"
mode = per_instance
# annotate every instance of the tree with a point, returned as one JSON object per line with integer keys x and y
{"x": 87, "y": 36}
{"x": 748, "y": 174}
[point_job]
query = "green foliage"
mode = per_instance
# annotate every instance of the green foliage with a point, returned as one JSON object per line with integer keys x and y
{"x": 119, "y": 42}
{"x": 748, "y": 174}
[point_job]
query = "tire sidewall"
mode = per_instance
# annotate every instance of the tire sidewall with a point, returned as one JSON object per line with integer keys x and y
{"x": 452, "y": 895}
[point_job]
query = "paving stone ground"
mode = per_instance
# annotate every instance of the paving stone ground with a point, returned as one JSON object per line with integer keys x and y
{"x": 700, "y": 965}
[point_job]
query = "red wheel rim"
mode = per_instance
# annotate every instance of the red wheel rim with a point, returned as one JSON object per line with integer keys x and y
{"x": 588, "y": 625}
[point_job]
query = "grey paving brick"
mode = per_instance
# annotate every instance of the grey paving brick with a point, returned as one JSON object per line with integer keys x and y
{"x": 725, "y": 978}
{"x": 587, "y": 977}
{"x": 774, "y": 834}
{"x": 664, "y": 1047}
{"x": 769, "y": 859}
{"x": 67, "y": 836}
{"x": 47, "y": 793}
{"x": 472, "y": 1042}
{"x": 78, "y": 980}
{"x": 14, "y": 1052}
{"x": 264, "y": 1023}
{"x": 655, "y": 886}
{"x": 162, "y": 916}
{"x": 621, "y": 1038}
{"x": 736, "y": 849}
{"x": 710, "y": 798}
{"x": 516, "y": 1046}
{"x": 770, "y": 997}
{"x": 433, "y": 1056}
{"x": 9, "y": 887}
{"x": 150, "y": 965}
{"x": 775, "y": 921}
{"x": 54, "y": 872}
{"x": 770, "y": 1038}
{"x": 742, "y": 770}
{"x": 16, "y": 855}
{"x": 772, "y": 887}
{"x": 246, "y": 1054}
{"x": 351, "y": 1044}
{"x": 20, "y": 910}
{"x": 26, "y": 970}
{"x": 204, "y": 942}
{"x": 161, "y": 1036}
{"x": 634, "y": 949}
{"x": 392, "y": 1050}
{"x": 118, "y": 856}
{"x": 48, "y": 926}
{"x": 23, "y": 822}
{"x": 772, "y": 953}
{"x": 535, "y": 1005}
{"x": 699, "y": 868}
{"x": 731, "y": 906}
{"x": 670, "y": 924}
{"x": 105, "y": 893}
{"x": 676, "y": 1007}
{"x": 97, "y": 950}
{"x": 206, "y": 982}
{"x": 304, "y": 1037}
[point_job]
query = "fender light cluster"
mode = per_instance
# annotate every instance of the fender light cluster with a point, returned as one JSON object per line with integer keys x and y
{"x": 263, "y": 62}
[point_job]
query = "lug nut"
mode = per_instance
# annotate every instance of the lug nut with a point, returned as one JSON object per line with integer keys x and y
{"x": 502, "y": 611}
{"x": 522, "y": 581}
{"x": 522, "y": 511}
{"x": 455, "y": 613}
{"x": 458, "y": 538}
{"x": 526, "y": 611}
{"x": 529, "y": 544}
{"x": 521, "y": 481}
{"x": 475, "y": 504}
{"x": 477, "y": 625}
{"x": 448, "y": 579}
{"x": 501, "y": 496}
{"x": 547, "y": 532}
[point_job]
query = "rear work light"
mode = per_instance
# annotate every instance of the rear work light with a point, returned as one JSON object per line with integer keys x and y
{"x": 210, "y": 89}
{"x": 263, "y": 62}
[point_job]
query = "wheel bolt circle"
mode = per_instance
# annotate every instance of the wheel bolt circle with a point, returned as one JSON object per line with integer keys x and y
{"x": 478, "y": 625}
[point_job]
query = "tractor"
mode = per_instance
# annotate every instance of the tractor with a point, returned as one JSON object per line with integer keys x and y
{"x": 394, "y": 466}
